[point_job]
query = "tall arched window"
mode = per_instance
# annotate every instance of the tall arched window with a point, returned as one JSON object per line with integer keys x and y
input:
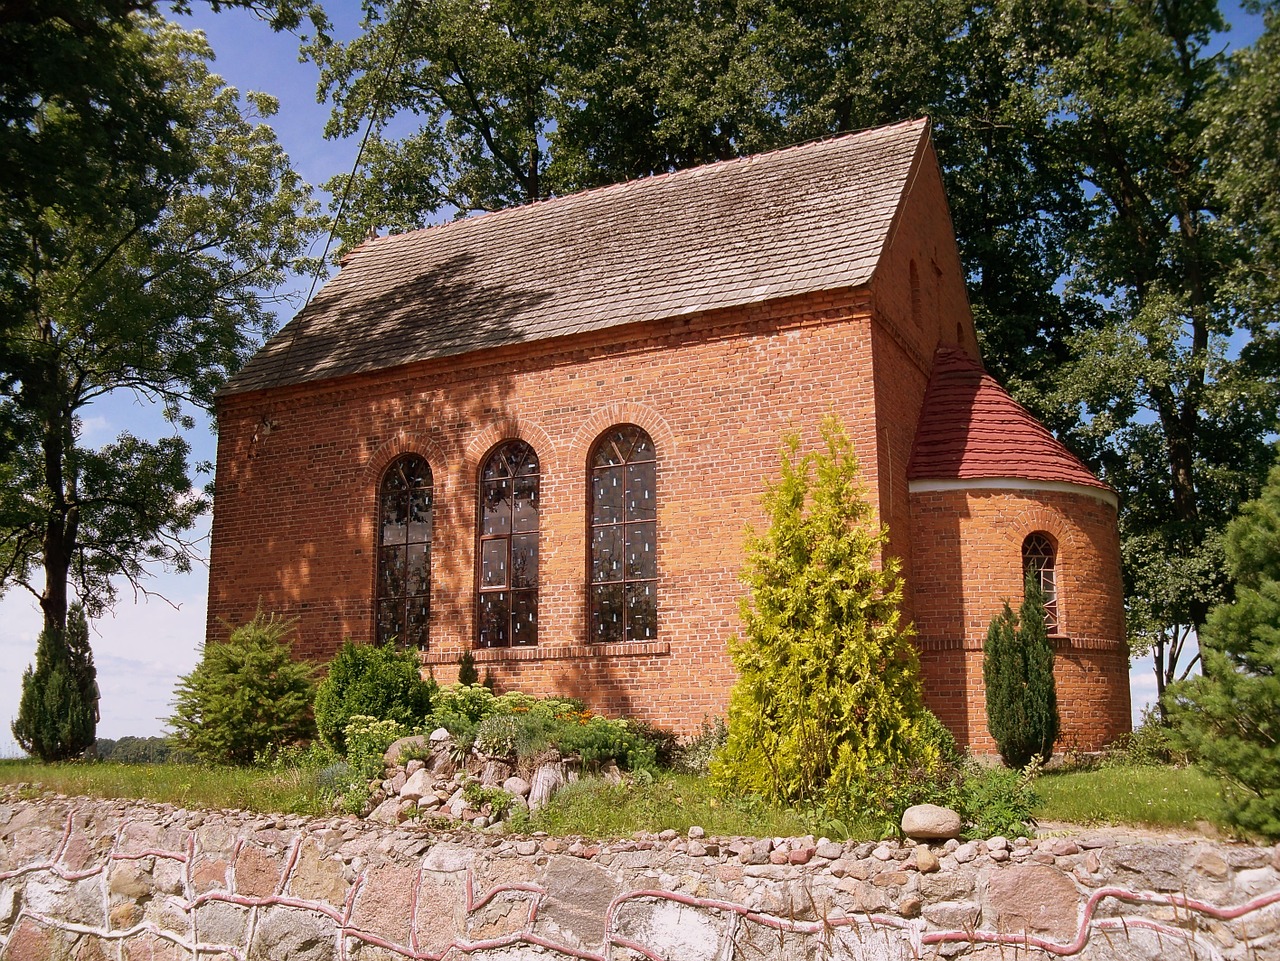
{"x": 1040, "y": 558}
{"x": 623, "y": 591}
{"x": 404, "y": 553}
{"x": 508, "y": 549}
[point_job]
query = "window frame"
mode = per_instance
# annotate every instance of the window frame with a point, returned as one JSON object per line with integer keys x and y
{"x": 404, "y": 466}
{"x": 508, "y": 539}
{"x": 624, "y": 527}
{"x": 1040, "y": 554}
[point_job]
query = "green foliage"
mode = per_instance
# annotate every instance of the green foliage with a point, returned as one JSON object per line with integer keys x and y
{"x": 694, "y": 756}
{"x": 1227, "y": 718}
{"x": 1017, "y": 670}
{"x": 828, "y": 692}
{"x": 246, "y": 698}
{"x": 458, "y": 708}
{"x": 158, "y": 287}
{"x": 371, "y": 680}
{"x": 996, "y": 800}
{"x": 1150, "y": 744}
{"x": 135, "y": 750}
{"x": 365, "y": 741}
{"x": 56, "y": 718}
{"x": 516, "y": 729}
{"x": 478, "y": 795}
{"x": 467, "y": 673}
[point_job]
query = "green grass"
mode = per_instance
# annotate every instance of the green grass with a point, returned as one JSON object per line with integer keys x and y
{"x": 676, "y": 801}
{"x": 1156, "y": 797}
{"x": 287, "y": 791}
{"x": 1160, "y": 797}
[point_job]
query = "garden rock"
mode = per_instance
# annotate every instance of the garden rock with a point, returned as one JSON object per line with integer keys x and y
{"x": 930, "y": 822}
{"x": 418, "y": 785}
{"x": 414, "y": 742}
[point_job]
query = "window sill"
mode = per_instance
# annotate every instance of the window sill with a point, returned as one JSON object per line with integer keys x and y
{"x": 569, "y": 652}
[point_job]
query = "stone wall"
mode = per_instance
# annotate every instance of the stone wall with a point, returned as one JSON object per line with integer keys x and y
{"x": 93, "y": 880}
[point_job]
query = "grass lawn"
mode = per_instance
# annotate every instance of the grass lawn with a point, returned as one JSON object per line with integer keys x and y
{"x": 1155, "y": 797}
{"x": 288, "y": 791}
{"x": 1173, "y": 797}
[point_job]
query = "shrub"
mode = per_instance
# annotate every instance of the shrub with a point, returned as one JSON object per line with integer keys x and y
{"x": 56, "y": 711}
{"x": 997, "y": 800}
{"x": 1150, "y": 744}
{"x": 1017, "y": 670}
{"x": 1228, "y": 718}
{"x": 694, "y": 755}
{"x": 828, "y": 691}
{"x": 598, "y": 740}
{"x": 246, "y": 697}
{"x": 372, "y": 680}
{"x": 467, "y": 673}
{"x": 880, "y": 800}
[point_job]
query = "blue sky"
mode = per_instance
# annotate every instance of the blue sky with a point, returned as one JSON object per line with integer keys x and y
{"x": 146, "y": 643}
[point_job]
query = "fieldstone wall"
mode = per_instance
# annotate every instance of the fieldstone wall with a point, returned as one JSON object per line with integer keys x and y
{"x": 91, "y": 880}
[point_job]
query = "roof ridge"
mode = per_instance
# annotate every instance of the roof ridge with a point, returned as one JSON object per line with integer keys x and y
{"x": 488, "y": 216}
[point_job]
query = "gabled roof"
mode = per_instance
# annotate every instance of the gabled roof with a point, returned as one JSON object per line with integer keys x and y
{"x": 795, "y": 221}
{"x": 970, "y": 429}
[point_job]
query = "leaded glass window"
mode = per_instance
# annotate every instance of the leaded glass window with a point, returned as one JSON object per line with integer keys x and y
{"x": 623, "y": 588}
{"x": 1039, "y": 558}
{"x": 404, "y": 553}
{"x": 507, "y": 599}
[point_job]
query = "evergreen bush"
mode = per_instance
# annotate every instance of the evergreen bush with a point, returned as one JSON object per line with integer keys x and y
{"x": 1017, "y": 670}
{"x": 467, "y": 673}
{"x": 57, "y": 711}
{"x": 1228, "y": 718}
{"x": 246, "y": 698}
{"x": 828, "y": 691}
{"x": 371, "y": 680}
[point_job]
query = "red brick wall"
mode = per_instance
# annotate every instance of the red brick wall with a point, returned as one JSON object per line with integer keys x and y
{"x": 294, "y": 511}
{"x": 968, "y": 561}
{"x": 299, "y": 469}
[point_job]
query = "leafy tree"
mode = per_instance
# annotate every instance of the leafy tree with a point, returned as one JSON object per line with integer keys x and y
{"x": 372, "y": 681}
{"x": 87, "y": 132}
{"x": 161, "y": 303}
{"x": 246, "y": 697}
{"x": 1227, "y": 717}
{"x": 1177, "y": 381}
{"x": 1017, "y": 673}
{"x": 828, "y": 691}
{"x": 57, "y": 712}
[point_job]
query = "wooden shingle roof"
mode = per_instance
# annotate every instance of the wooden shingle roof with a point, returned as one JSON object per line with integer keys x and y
{"x": 795, "y": 221}
{"x": 970, "y": 429}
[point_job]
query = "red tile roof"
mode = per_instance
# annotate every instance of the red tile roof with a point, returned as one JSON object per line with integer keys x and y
{"x": 971, "y": 428}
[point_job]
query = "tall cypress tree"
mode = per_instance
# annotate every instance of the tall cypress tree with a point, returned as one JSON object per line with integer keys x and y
{"x": 55, "y": 719}
{"x": 1017, "y": 669}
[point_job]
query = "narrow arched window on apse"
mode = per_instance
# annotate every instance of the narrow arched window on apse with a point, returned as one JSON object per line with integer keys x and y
{"x": 623, "y": 588}
{"x": 507, "y": 601}
{"x": 404, "y": 553}
{"x": 1040, "y": 558}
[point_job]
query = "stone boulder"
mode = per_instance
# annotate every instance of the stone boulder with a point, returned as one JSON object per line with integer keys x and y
{"x": 930, "y": 822}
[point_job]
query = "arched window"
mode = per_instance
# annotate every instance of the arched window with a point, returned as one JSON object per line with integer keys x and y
{"x": 1040, "y": 558}
{"x": 404, "y": 553}
{"x": 623, "y": 590}
{"x": 507, "y": 600}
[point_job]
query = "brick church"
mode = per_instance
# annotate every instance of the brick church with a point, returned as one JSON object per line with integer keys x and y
{"x": 537, "y": 435}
